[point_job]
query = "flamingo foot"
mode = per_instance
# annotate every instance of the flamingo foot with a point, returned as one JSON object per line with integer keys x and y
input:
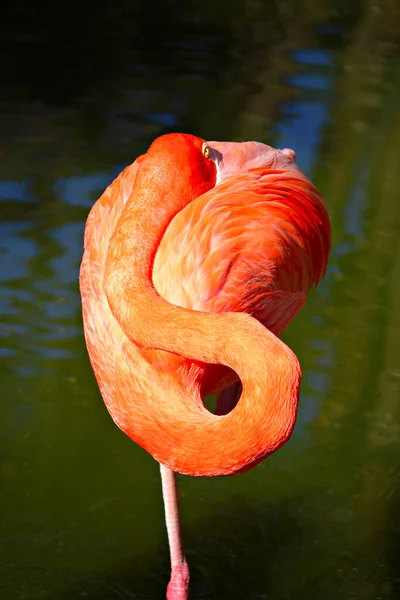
{"x": 178, "y": 587}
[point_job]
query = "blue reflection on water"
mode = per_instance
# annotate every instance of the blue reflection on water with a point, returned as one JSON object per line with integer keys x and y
{"x": 65, "y": 265}
{"x": 313, "y": 56}
{"x": 303, "y": 118}
{"x": 17, "y": 251}
{"x": 166, "y": 119}
{"x": 300, "y": 129}
{"x": 15, "y": 190}
{"x": 82, "y": 190}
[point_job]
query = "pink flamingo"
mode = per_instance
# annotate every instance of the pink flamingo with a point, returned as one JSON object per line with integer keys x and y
{"x": 196, "y": 258}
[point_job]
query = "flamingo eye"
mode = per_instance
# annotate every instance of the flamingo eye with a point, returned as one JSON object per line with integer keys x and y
{"x": 206, "y": 150}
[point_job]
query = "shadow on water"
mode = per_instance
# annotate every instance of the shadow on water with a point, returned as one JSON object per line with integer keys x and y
{"x": 232, "y": 556}
{"x": 253, "y": 552}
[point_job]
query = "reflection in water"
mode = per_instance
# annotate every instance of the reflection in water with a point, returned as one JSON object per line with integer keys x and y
{"x": 81, "y": 505}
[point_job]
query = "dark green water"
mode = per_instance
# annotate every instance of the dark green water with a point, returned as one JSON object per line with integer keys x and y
{"x": 80, "y": 503}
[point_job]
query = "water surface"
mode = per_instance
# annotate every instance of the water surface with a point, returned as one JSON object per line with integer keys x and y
{"x": 81, "y": 506}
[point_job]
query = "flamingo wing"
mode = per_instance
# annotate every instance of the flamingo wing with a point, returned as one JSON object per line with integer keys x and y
{"x": 234, "y": 251}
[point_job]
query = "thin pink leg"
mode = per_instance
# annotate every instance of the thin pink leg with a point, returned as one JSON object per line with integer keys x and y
{"x": 227, "y": 399}
{"x": 178, "y": 587}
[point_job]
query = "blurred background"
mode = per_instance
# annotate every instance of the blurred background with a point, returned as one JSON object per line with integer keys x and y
{"x": 86, "y": 86}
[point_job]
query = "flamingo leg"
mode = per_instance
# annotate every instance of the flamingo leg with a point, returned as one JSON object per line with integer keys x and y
{"x": 178, "y": 587}
{"x": 227, "y": 399}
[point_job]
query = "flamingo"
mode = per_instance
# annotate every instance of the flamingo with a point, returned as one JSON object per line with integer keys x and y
{"x": 195, "y": 259}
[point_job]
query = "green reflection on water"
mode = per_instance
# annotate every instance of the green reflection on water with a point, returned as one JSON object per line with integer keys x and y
{"x": 81, "y": 505}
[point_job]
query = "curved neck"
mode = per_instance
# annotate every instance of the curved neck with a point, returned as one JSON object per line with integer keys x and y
{"x": 197, "y": 442}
